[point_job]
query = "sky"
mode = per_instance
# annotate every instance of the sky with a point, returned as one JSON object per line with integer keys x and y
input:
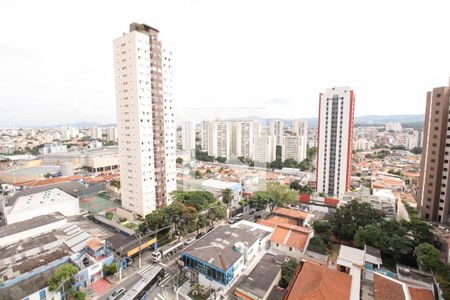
{"x": 231, "y": 58}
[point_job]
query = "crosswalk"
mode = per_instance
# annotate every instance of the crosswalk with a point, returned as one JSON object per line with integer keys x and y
{"x": 159, "y": 297}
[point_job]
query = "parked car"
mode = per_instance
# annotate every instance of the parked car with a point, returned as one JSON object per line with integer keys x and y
{"x": 232, "y": 221}
{"x": 239, "y": 216}
{"x": 117, "y": 294}
{"x": 251, "y": 212}
{"x": 200, "y": 235}
{"x": 189, "y": 241}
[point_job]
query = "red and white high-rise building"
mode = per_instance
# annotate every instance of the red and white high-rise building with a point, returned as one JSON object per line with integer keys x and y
{"x": 335, "y": 140}
{"x": 145, "y": 119}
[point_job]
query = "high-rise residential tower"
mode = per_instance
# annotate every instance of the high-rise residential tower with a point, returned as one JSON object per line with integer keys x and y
{"x": 216, "y": 138}
{"x": 276, "y": 128}
{"x": 434, "y": 189}
{"x": 335, "y": 141}
{"x": 264, "y": 148}
{"x": 145, "y": 119}
{"x": 188, "y": 136}
{"x": 242, "y": 139}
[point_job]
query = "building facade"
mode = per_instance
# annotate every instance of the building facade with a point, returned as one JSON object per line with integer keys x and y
{"x": 242, "y": 139}
{"x": 264, "y": 148}
{"x": 276, "y": 128}
{"x": 294, "y": 147}
{"x": 433, "y": 195}
{"x": 335, "y": 141}
{"x": 188, "y": 136}
{"x": 145, "y": 119}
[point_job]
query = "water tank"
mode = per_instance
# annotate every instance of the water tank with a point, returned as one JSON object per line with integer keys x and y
{"x": 239, "y": 247}
{"x": 67, "y": 169}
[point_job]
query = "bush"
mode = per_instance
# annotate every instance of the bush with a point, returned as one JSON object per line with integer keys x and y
{"x": 110, "y": 269}
{"x": 287, "y": 272}
{"x": 317, "y": 245}
{"x": 122, "y": 219}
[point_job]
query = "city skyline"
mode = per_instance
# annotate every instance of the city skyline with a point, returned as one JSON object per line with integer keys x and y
{"x": 40, "y": 86}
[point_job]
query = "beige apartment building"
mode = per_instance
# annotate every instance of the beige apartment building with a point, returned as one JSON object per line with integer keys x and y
{"x": 433, "y": 192}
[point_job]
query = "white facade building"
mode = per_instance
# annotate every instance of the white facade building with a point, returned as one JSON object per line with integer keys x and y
{"x": 335, "y": 136}
{"x": 300, "y": 127}
{"x": 54, "y": 148}
{"x": 394, "y": 126}
{"x": 145, "y": 119}
{"x": 276, "y": 128}
{"x": 216, "y": 138}
{"x": 264, "y": 148}
{"x": 188, "y": 136}
{"x": 242, "y": 139}
{"x": 42, "y": 203}
{"x": 96, "y": 133}
{"x": 294, "y": 147}
{"x": 111, "y": 134}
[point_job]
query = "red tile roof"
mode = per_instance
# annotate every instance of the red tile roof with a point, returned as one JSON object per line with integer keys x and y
{"x": 273, "y": 221}
{"x": 297, "y": 214}
{"x": 420, "y": 294}
{"x": 387, "y": 289}
{"x": 291, "y": 236}
{"x": 318, "y": 282}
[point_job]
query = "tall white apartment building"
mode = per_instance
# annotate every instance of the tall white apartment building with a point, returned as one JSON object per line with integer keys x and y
{"x": 111, "y": 134}
{"x": 394, "y": 126}
{"x": 145, "y": 119}
{"x": 216, "y": 138}
{"x": 294, "y": 147}
{"x": 300, "y": 127}
{"x": 335, "y": 140}
{"x": 264, "y": 148}
{"x": 188, "y": 136}
{"x": 205, "y": 135}
{"x": 242, "y": 139}
{"x": 276, "y": 128}
{"x": 96, "y": 133}
{"x": 412, "y": 140}
{"x": 257, "y": 127}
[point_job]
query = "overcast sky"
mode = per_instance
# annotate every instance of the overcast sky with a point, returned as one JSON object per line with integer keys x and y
{"x": 231, "y": 58}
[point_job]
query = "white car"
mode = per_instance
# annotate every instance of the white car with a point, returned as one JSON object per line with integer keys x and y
{"x": 189, "y": 241}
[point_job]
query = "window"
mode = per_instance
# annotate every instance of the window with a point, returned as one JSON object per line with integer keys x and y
{"x": 42, "y": 295}
{"x": 290, "y": 248}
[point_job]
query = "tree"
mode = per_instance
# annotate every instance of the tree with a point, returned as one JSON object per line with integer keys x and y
{"x": 317, "y": 245}
{"x": 215, "y": 213}
{"x": 221, "y": 159}
{"x": 347, "y": 219}
{"x": 295, "y": 185}
{"x": 179, "y": 160}
{"x": 323, "y": 230}
{"x": 287, "y": 272}
{"x": 227, "y": 196}
{"x": 198, "y": 174}
{"x": 63, "y": 278}
{"x": 110, "y": 269}
{"x": 416, "y": 150}
{"x": 115, "y": 183}
{"x": 259, "y": 200}
{"x": 429, "y": 257}
{"x": 281, "y": 195}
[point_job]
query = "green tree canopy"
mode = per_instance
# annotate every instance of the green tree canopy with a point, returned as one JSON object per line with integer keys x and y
{"x": 429, "y": 257}
{"x": 287, "y": 272}
{"x": 317, "y": 245}
{"x": 347, "y": 219}
{"x": 63, "y": 277}
{"x": 281, "y": 195}
{"x": 227, "y": 196}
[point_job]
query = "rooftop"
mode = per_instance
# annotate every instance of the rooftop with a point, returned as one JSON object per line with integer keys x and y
{"x": 387, "y": 288}
{"x": 260, "y": 279}
{"x": 316, "y": 282}
{"x": 14, "y": 228}
{"x": 27, "y": 287}
{"x": 217, "y": 247}
{"x": 291, "y": 235}
{"x": 39, "y": 199}
{"x": 350, "y": 254}
{"x": 292, "y": 213}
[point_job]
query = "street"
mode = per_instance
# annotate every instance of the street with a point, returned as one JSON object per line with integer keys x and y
{"x": 164, "y": 290}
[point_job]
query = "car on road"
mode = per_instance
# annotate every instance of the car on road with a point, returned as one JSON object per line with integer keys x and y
{"x": 251, "y": 211}
{"x": 189, "y": 241}
{"x": 200, "y": 235}
{"x": 232, "y": 221}
{"x": 117, "y": 294}
{"x": 239, "y": 216}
